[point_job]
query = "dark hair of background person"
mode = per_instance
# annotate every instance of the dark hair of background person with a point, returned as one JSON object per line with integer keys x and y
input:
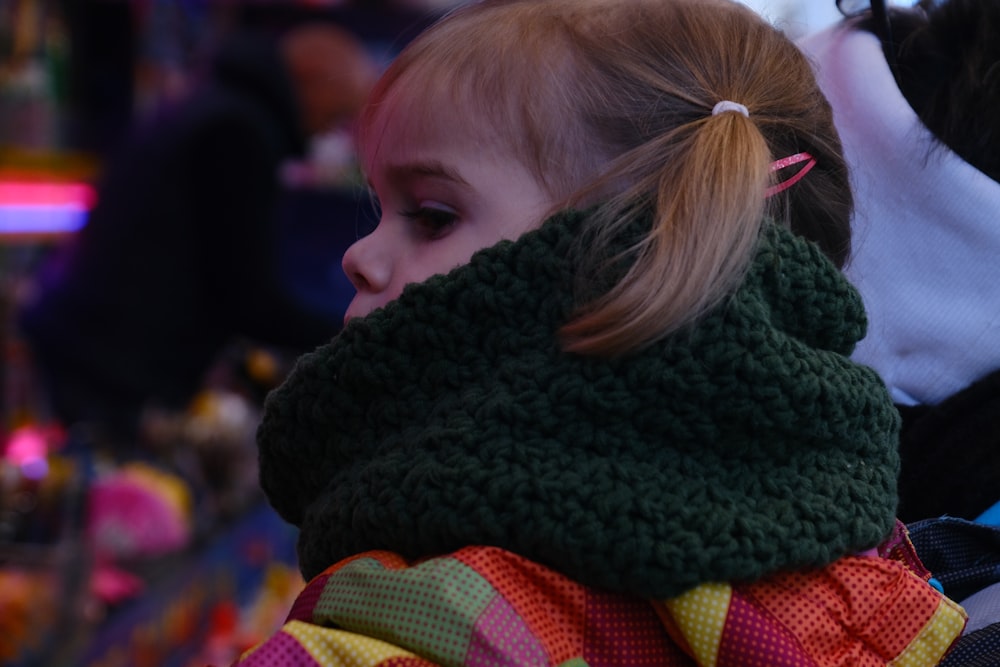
{"x": 948, "y": 69}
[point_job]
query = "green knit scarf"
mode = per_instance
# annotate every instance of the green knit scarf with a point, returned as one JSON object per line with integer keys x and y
{"x": 451, "y": 417}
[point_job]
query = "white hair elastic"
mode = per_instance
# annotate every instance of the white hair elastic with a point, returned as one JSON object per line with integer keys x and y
{"x": 726, "y": 105}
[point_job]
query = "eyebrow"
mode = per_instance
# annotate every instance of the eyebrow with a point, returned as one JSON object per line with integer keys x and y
{"x": 409, "y": 171}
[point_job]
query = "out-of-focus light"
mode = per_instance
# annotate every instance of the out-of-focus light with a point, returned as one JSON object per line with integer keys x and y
{"x": 28, "y": 193}
{"x": 27, "y": 449}
{"x": 28, "y": 207}
{"x": 41, "y": 219}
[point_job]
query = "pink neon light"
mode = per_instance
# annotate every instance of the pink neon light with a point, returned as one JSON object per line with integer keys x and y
{"x": 28, "y": 449}
{"x": 28, "y": 193}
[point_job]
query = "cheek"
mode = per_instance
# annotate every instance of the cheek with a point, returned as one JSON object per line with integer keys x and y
{"x": 443, "y": 255}
{"x": 421, "y": 268}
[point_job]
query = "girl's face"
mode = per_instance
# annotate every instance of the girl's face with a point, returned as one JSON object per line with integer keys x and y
{"x": 442, "y": 198}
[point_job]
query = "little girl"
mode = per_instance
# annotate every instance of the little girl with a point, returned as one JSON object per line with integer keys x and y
{"x": 593, "y": 403}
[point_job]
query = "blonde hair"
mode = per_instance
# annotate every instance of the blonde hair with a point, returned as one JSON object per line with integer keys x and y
{"x": 609, "y": 104}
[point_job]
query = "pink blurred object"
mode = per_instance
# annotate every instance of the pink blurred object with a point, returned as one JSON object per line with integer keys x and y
{"x": 112, "y": 585}
{"x": 28, "y": 449}
{"x": 138, "y": 512}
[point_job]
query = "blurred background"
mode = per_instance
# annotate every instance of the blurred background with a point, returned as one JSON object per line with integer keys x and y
{"x": 74, "y": 73}
{"x": 175, "y": 195}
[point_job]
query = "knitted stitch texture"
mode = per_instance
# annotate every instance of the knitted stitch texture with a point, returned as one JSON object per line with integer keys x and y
{"x": 745, "y": 445}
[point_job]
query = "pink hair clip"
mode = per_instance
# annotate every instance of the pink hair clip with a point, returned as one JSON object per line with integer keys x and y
{"x": 784, "y": 162}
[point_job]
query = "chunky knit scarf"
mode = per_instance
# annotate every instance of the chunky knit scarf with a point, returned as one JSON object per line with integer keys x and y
{"x": 451, "y": 417}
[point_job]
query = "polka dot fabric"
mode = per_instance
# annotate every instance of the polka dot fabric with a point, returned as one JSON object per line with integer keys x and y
{"x": 552, "y": 606}
{"x": 344, "y": 649}
{"x": 858, "y": 611}
{"x": 850, "y": 595}
{"x": 701, "y": 617}
{"x": 619, "y": 633}
{"x": 486, "y": 607}
{"x": 433, "y": 606}
{"x": 504, "y": 639}
{"x": 753, "y": 638}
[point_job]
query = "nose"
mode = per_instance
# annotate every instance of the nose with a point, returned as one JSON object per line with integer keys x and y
{"x": 367, "y": 266}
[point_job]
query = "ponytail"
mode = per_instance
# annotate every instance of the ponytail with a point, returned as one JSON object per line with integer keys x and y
{"x": 700, "y": 171}
{"x": 707, "y": 208}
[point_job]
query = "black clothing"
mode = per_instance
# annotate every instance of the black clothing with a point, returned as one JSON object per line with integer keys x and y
{"x": 949, "y": 453}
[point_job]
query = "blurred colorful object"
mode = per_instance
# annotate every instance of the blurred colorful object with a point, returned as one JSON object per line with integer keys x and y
{"x": 36, "y": 207}
{"x": 28, "y": 601}
{"x": 138, "y": 511}
{"x": 36, "y": 486}
{"x": 28, "y": 449}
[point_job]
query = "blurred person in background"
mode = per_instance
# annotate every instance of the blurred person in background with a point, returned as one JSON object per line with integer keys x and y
{"x": 177, "y": 257}
{"x": 916, "y": 99}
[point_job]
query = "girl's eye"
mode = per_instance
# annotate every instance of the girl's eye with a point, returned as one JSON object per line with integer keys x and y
{"x": 431, "y": 221}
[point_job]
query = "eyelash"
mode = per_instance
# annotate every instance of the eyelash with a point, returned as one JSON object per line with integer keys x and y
{"x": 434, "y": 223}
